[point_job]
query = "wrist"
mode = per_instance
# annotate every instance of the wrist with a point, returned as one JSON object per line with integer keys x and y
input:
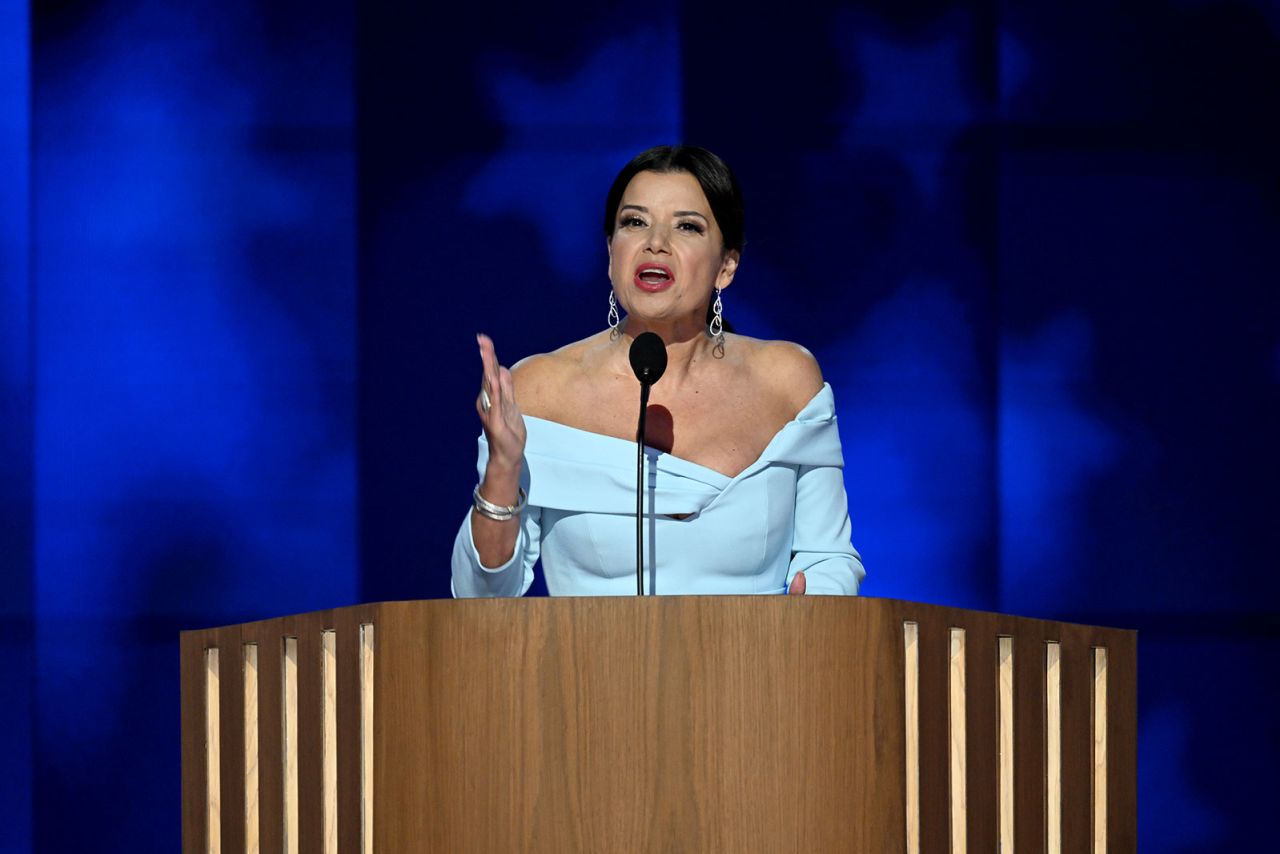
{"x": 500, "y": 482}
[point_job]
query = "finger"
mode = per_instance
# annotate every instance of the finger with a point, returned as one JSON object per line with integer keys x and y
{"x": 797, "y": 585}
{"x": 507, "y": 386}
{"x": 489, "y": 359}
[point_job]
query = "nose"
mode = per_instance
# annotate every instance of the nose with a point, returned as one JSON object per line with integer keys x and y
{"x": 659, "y": 239}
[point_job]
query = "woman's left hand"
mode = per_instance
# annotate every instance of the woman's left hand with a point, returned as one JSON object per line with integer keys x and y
{"x": 797, "y": 585}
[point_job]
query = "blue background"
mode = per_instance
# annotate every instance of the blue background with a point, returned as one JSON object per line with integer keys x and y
{"x": 245, "y": 247}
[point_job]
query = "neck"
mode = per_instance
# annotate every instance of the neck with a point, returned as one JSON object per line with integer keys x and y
{"x": 687, "y": 342}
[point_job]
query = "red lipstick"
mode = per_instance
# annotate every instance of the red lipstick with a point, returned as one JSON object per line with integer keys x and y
{"x": 654, "y": 277}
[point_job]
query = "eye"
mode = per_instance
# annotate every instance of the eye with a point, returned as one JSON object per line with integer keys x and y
{"x": 691, "y": 227}
{"x": 630, "y": 221}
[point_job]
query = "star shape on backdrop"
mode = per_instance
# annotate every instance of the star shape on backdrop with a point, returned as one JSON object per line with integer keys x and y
{"x": 566, "y": 139}
{"x": 910, "y": 98}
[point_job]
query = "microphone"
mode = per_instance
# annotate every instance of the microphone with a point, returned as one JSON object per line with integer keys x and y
{"x": 648, "y": 357}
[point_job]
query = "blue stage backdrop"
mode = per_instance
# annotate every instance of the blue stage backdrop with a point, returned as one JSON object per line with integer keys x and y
{"x": 193, "y": 320}
{"x": 15, "y": 428}
{"x": 1034, "y": 248}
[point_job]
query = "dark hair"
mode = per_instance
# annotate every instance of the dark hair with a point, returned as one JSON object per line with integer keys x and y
{"x": 712, "y": 174}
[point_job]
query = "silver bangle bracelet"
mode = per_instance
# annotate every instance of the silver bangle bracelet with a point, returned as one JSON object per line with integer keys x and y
{"x": 498, "y": 512}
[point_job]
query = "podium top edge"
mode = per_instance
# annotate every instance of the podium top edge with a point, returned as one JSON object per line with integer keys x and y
{"x": 903, "y": 608}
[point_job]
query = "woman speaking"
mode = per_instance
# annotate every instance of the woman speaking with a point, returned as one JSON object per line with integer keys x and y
{"x": 744, "y": 474}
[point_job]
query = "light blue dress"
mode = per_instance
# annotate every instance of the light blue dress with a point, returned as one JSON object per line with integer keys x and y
{"x": 784, "y": 513}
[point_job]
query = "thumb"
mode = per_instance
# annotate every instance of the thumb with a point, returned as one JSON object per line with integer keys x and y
{"x": 797, "y": 585}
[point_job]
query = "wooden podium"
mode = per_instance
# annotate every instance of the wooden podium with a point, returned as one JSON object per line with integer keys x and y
{"x": 688, "y": 724}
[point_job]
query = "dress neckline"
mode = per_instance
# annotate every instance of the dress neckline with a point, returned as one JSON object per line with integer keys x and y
{"x": 673, "y": 460}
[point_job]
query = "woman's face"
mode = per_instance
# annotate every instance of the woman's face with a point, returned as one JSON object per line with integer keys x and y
{"x": 667, "y": 252}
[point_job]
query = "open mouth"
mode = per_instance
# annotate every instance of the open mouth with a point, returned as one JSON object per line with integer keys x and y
{"x": 653, "y": 277}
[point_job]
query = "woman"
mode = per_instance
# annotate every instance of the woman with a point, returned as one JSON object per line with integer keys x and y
{"x": 744, "y": 475}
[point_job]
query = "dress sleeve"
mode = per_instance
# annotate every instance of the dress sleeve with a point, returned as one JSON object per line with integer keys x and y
{"x": 821, "y": 547}
{"x": 473, "y": 579}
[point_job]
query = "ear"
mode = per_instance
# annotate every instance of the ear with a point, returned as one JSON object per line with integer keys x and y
{"x": 608, "y": 254}
{"x": 728, "y": 266}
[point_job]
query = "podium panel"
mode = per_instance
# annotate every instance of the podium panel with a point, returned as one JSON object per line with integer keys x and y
{"x": 658, "y": 724}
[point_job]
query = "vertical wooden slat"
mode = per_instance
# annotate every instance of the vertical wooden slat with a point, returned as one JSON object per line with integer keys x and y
{"x": 934, "y": 737}
{"x": 911, "y": 694}
{"x": 366, "y": 737}
{"x": 1004, "y": 664}
{"x": 252, "y": 837}
{"x": 1077, "y": 738}
{"x": 311, "y": 731}
{"x": 983, "y": 732}
{"x": 346, "y": 622}
{"x": 329, "y": 741}
{"x": 1053, "y": 747}
{"x": 1028, "y": 739}
{"x": 958, "y": 782}
{"x": 212, "y": 754}
{"x": 1100, "y": 750}
{"x": 1122, "y": 741}
{"x": 270, "y": 640}
{"x": 191, "y": 669}
{"x": 289, "y": 743}
{"x": 231, "y": 712}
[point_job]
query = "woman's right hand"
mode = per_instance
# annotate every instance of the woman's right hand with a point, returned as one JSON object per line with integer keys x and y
{"x": 503, "y": 424}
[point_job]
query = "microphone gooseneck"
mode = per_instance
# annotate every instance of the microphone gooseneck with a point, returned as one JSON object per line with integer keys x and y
{"x": 648, "y": 357}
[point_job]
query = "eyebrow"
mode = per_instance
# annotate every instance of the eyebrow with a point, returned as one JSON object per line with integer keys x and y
{"x": 643, "y": 209}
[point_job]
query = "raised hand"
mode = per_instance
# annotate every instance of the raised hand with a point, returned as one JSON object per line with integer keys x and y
{"x": 503, "y": 424}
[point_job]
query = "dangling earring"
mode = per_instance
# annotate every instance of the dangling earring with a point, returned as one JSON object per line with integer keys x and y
{"x": 716, "y": 327}
{"x": 614, "y": 320}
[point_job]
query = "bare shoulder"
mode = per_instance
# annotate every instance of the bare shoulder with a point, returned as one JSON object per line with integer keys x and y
{"x": 542, "y": 379}
{"x": 786, "y": 370}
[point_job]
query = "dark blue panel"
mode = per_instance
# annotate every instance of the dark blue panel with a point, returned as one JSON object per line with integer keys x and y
{"x": 1206, "y": 735}
{"x": 1140, "y": 406}
{"x": 195, "y": 297}
{"x": 15, "y": 429}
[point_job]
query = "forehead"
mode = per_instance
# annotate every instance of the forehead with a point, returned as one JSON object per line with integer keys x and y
{"x": 666, "y": 190}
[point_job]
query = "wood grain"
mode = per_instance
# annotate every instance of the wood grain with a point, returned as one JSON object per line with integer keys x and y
{"x": 231, "y": 700}
{"x": 663, "y": 724}
{"x": 982, "y": 737}
{"x": 1029, "y": 796}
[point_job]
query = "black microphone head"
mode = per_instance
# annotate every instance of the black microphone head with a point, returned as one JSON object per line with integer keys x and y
{"x": 648, "y": 357}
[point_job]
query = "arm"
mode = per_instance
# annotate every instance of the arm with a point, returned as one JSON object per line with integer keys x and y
{"x": 488, "y": 553}
{"x": 822, "y": 559}
{"x": 821, "y": 547}
{"x": 512, "y": 577}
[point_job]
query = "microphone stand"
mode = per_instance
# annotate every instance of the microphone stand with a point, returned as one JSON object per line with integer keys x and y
{"x": 648, "y": 357}
{"x": 644, "y": 411}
